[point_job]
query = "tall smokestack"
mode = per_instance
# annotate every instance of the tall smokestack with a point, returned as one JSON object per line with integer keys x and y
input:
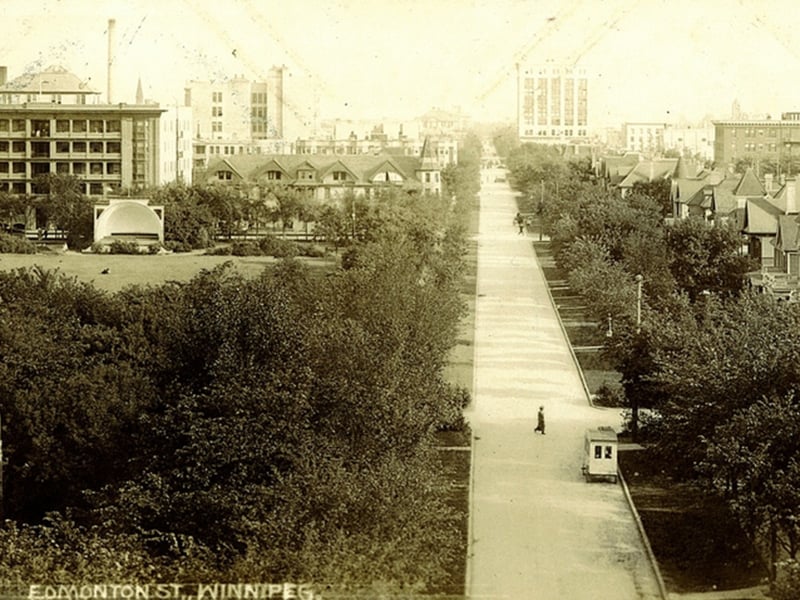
{"x": 3, "y": 75}
{"x": 112, "y": 25}
{"x": 275, "y": 101}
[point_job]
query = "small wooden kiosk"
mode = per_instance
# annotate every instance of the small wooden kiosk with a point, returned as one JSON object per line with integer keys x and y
{"x": 600, "y": 454}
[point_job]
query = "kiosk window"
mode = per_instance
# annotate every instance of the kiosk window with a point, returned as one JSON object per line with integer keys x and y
{"x": 598, "y": 452}
{"x": 608, "y": 452}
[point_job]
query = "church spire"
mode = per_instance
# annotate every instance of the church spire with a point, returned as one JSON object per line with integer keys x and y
{"x": 139, "y": 93}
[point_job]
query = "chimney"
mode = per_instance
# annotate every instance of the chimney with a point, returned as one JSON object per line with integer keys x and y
{"x": 768, "y": 182}
{"x": 112, "y": 25}
{"x": 791, "y": 197}
{"x": 3, "y": 75}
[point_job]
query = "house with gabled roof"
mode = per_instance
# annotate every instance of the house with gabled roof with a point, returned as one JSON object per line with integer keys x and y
{"x": 647, "y": 171}
{"x": 327, "y": 177}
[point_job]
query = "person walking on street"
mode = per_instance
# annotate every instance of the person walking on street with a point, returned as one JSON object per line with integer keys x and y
{"x": 540, "y": 420}
{"x": 520, "y": 221}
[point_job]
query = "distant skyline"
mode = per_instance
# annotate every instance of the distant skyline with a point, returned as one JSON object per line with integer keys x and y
{"x": 651, "y": 60}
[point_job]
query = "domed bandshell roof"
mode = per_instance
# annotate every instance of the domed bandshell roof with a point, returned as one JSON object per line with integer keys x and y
{"x": 129, "y": 218}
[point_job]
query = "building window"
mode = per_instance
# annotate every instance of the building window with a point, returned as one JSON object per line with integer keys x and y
{"x": 224, "y": 175}
{"x": 274, "y": 175}
{"x": 96, "y": 126}
{"x": 3, "y": 146}
{"x": 18, "y": 167}
{"x": 339, "y": 176}
{"x": 216, "y": 97}
{"x": 216, "y": 126}
{"x": 18, "y": 125}
{"x": 608, "y": 452}
{"x": 598, "y": 452}
{"x": 18, "y": 147}
{"x": 62, "y": 126}
{"x": 3, "y": 125}
{"x": 79, "y": 147}
{"x": 62, "y": 168}
{"x": 79, "y": 126}
{"x": 3, "y": 167}
{"x": 216, "y": 111}
{"x": 95, "y": 189}
{"x": 96, "y": 168}
{"x": 79, "y": 168}
{"x": 96, "y": 147}
{"x": 113, "y": 168}
{"x": 113, "y": 126}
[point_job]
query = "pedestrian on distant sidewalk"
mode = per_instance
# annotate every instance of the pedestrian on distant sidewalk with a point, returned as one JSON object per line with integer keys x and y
{"x": 520, "y": 221}
{"x": 540, "y": 420}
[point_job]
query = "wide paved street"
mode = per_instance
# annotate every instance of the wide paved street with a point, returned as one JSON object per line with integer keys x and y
{"x": 539, "y": 531}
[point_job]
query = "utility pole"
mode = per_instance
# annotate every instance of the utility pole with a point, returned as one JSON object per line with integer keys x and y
{"x": 639, "y": 303}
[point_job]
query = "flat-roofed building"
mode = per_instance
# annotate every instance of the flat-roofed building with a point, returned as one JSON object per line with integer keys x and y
{"x": 51, "y": 122}
{"x": 552, "y": 102}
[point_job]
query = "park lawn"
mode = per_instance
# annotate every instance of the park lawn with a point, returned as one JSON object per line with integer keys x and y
{"x": 126, "y": 269}
{"x": 696, "y": 541}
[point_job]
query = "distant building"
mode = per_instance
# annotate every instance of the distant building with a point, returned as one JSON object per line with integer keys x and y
{"x": 647, "y": 138}
{"x": 692, "y": 141}
{"x": 552, "y": 103}
{"x": 329, "y": 177}
{"x": 237, "y": 109}
{"x": 758, "y": 140}
{"x": 52, "y": 122}
{"x": 176, "y": 152}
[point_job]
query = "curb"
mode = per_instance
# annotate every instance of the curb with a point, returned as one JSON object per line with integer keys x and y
{"x": 563, "y": 329}
{"x": 662, "y": 588}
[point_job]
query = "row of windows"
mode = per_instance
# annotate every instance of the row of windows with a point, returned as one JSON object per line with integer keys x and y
{"x": 52, "y": 98}
{"x": 216, "y": 97}
{"x": 753, "y": 147}
{"x": 258, "y": 98}
{"x": 38, "y": 149}
{"x": 42, "y": 127}
{"x": 74, "y": 168}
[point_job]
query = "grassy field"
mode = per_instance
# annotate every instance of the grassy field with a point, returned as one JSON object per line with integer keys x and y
{"x": 125, "y": 270}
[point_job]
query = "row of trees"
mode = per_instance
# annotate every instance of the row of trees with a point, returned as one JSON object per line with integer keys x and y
{"x": 276, "y": 428}
{"x": 716, "y": 364}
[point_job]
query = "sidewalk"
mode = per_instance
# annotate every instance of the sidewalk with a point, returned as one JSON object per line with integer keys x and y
{"x": 538, "y": 530}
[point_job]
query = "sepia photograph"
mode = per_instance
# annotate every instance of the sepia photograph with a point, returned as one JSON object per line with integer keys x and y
{"x": 399, "y": 300}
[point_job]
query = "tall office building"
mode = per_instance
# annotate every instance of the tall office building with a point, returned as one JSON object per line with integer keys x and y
{"x": 552, "y": 103}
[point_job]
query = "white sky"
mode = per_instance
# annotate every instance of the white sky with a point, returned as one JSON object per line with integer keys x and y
{"x": 653, "y": 60}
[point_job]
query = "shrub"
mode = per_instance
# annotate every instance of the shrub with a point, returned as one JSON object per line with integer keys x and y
{"x": 245, "y": 249}
{"x": 272, "y": 246}
{"x": 787, "y": 584}
{"x": 610, "y": 395}
{"x": 12, "y": 244}
{"x": 219, "y": 251}
{"x": 312, "y": 250}
{"x": 120, "y": 247}
{"x": 176, "y": 246}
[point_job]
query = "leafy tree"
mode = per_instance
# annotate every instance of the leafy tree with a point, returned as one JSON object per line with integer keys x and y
{"x": 65, "y": 206}
{"x": 706, "y": 258}
{"x": 752, "y": 459}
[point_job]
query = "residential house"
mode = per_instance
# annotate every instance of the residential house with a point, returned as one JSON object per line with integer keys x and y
{"x": 647, "y": 171}
{"x": 327, "y": 177}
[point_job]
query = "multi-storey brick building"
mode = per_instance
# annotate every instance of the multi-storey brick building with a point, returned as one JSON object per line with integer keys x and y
{"x": 50, "y": 122}
{"x": 759, "y": 140}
